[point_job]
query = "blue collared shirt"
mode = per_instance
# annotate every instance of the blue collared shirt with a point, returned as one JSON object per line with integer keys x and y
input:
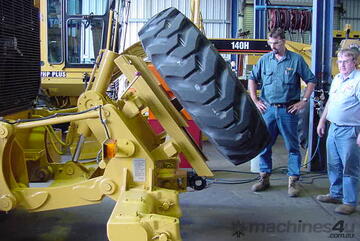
{"x": 344, "y": 100}
{"x": 281, "y": 79}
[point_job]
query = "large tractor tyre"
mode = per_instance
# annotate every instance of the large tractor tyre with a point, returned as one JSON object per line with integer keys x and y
{"x": 204, "y": 85}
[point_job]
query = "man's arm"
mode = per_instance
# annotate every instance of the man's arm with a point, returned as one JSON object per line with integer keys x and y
{"x": 306, "y": 74}
{"x": 309, "y": 89}
{"x": 252, "y": 86}
{"x": 301, "y": 104}
{"x": 322, "y": 122}
{"x": 358, "y": 97}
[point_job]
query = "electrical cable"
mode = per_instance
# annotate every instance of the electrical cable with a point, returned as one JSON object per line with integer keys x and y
{"x": 98, "y": 155}
{"x": 315, "y": 152}
{"x": 52, "y": 134}
{"x": 48, "y": 117}
{"x": 55, "y": 147}
{"x": 103, "y": 122}
{"x": 221, "y": 170}
{"x": 51, "y": 130}
{"x": 303, "y": 178}
{"x": 231, "y": 181}
{"x": 282, "y": 170}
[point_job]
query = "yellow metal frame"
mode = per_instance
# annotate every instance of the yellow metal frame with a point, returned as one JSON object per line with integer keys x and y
{"x": 142, "y": 177}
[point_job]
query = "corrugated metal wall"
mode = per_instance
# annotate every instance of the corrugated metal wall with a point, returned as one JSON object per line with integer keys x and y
{"x": 294, "y": 36}
{"x": 216, "y": 14}
{"x": 337, "y": 19}
{"x": 351, "y": 14}
{"x": 249, "y": 19}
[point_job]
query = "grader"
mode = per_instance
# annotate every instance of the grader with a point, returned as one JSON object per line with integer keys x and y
{"x": 135, "y": 167}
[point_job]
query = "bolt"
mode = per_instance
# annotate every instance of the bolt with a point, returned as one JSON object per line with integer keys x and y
{"x": 69, "y": 171}
{"x": 107, "y": 187}
{"x": 163, "y": 237}
{"x": 102, "y": 164}
{"x": 165, "y": 206}
{"x": 7, "y": 203}
{"x": 4, "y": 132}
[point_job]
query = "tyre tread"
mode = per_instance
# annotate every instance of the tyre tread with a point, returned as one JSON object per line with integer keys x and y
{"x": 204, "y": 85}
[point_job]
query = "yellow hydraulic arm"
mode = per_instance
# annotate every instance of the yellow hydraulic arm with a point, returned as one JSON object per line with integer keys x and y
{"x": 140, "y": 172}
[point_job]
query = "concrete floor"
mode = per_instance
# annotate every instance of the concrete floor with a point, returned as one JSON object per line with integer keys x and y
{"x": 221, "y": 212}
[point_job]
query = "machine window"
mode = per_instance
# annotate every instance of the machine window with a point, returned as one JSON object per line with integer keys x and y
{"x": 84, "y": 40}
{"x": 87, "y": 7}
{"x": 54, "y": 21}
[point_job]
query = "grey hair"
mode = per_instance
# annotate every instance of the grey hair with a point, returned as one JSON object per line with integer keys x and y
{"x": 349, "y": 52}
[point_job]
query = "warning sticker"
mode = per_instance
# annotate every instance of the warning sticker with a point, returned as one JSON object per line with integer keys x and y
{"x": 139, "y": 167}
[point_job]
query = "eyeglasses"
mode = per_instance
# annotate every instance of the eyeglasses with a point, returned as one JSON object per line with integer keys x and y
{"x": 274, "y": 43}
{"x": 344, "y": 61}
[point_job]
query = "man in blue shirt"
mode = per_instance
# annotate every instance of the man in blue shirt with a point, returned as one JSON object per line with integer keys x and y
{"x": 343, "y": 141}
{"x": 279, "y": 72}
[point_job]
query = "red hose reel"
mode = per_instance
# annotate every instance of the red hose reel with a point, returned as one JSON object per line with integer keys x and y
{"x": 289, "y": 19}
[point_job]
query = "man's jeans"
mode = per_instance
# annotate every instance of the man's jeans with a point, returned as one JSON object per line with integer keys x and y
{"x": 278, "y": 120}
{"x": 343, "y": 156}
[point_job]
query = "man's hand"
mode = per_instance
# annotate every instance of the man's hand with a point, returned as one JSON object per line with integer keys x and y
{"x": 321, "y": 128}
{"x": 260, "y": 105}
{"x": 293, "y": 109}
{"x": 358, "y": 140}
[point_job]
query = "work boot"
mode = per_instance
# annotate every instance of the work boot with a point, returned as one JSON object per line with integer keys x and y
{"x": 294, "y": 188}
{"x": 328, "y": 199}
{"x": 263, "y": 184}
{"x": 345, "y": 209}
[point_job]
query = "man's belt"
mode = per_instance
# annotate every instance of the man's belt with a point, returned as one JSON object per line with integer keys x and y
{"x": 284, "y": 105}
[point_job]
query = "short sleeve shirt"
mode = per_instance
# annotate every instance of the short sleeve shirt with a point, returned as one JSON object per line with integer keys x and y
{"x": 280, "y": 79}
{"x": 344, "y": 100}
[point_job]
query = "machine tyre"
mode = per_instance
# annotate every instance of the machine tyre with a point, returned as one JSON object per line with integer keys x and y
{"x": 3, "y": 216}
{"x": 205, "y": 85}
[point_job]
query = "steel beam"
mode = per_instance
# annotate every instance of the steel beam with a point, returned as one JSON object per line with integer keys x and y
{"x": 322, "y": 38}
{"x": 234, "y": 22}
{"x": 260, "y": 19}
